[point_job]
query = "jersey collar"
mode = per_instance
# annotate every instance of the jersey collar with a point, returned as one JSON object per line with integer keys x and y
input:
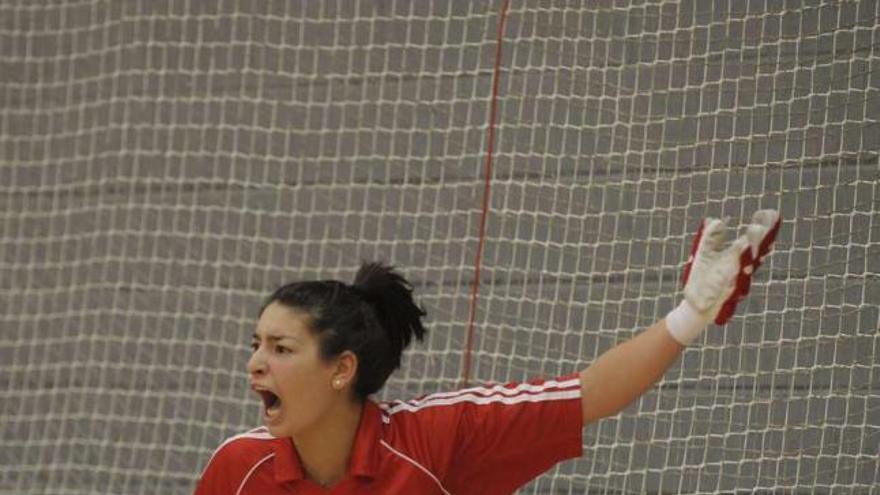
{"x": 365, "y": 451}
{"x": 363, "y": 456}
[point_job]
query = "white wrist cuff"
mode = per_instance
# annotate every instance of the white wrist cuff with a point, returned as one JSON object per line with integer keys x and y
{"x": 685, "y": 324}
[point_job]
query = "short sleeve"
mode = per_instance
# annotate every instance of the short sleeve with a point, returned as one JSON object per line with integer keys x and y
{"x": 507, "y": 435}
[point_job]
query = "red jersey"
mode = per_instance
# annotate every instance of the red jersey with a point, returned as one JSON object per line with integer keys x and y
{"x": 481, "y": 440}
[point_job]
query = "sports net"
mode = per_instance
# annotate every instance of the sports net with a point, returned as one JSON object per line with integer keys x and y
{"x": 164, "y": 165}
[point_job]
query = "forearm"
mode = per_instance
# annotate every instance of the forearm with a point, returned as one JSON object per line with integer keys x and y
{"x": 625, "y": 372}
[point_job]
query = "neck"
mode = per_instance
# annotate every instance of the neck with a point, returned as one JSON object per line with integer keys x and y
{"x": 325, "y": 449}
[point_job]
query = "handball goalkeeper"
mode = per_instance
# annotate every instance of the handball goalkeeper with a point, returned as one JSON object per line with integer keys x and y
{"x": 322, "y": 348}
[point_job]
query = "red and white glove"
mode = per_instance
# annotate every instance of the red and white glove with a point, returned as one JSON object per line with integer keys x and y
{"x": 717, "y": 278}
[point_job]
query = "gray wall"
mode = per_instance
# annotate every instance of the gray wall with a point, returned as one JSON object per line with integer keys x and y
{"x": 164, "y": 165}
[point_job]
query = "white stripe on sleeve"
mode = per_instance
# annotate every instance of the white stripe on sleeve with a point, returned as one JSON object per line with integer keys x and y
{"x": 524, "y": 392}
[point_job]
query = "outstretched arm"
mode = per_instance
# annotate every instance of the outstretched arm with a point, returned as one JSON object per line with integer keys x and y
{"x": 716, "y": 278}
{"x": 625, "y": 372}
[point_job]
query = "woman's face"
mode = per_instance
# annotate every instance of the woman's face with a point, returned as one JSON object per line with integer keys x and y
{"x": 286, "y": 370}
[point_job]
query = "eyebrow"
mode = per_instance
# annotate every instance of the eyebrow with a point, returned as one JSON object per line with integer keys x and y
{"x": 273, "y": 337}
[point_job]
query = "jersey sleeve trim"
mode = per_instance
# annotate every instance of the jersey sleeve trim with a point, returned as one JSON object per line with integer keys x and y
{"x": 505, "y": 394}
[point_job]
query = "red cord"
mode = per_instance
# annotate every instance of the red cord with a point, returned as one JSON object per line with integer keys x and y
{"x": 490, "y": 154}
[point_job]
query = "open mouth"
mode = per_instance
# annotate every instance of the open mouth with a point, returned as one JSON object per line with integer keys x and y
{"x": 271, "y": 404}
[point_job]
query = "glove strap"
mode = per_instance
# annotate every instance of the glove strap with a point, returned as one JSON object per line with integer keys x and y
{"x": 685, "y": 324}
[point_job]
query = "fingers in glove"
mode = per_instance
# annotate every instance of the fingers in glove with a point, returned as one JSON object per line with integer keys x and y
{"x": 708, "y": 243}
{"x": 772, "y": 221}
{"x": 761, "y": 233}
{"x": 716, "y": 232}
{"x": 767, "y": 218}
{"x": 740, "y": 261}
{"x": 698, "y": 238}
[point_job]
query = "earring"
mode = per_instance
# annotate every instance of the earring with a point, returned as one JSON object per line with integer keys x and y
{"x": 337, "y": 383}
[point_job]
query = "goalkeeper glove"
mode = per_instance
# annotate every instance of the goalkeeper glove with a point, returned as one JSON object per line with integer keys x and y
{"x": 717, "y": 278}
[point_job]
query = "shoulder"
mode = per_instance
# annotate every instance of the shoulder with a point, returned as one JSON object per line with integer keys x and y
{"x": 447, "y": 432}
{"x": 447, "y": 412}
{"x": 234, "y": 460}
{"x": 242, "y": 449}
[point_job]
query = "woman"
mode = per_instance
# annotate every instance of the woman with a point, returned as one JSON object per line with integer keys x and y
{"x": 320, "y": 350}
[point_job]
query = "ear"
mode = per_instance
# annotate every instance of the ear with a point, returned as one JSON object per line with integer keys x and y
{"x": 345, "y": 370}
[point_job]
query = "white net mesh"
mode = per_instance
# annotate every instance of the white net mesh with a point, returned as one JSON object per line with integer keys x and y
{"x": 164, "y": 165}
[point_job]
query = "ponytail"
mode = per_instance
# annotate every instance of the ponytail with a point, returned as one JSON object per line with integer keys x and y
{"x": 390, "y": 295}
{"x": 375, "y": 318}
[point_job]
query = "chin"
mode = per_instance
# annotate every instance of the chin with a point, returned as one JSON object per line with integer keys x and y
{"x": 278, "y": 430}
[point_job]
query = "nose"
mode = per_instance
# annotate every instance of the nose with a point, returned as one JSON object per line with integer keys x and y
{"x": 256, "y": 364}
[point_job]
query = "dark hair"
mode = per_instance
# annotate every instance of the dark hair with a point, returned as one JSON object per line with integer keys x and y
{"x": 375, "y": 318}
